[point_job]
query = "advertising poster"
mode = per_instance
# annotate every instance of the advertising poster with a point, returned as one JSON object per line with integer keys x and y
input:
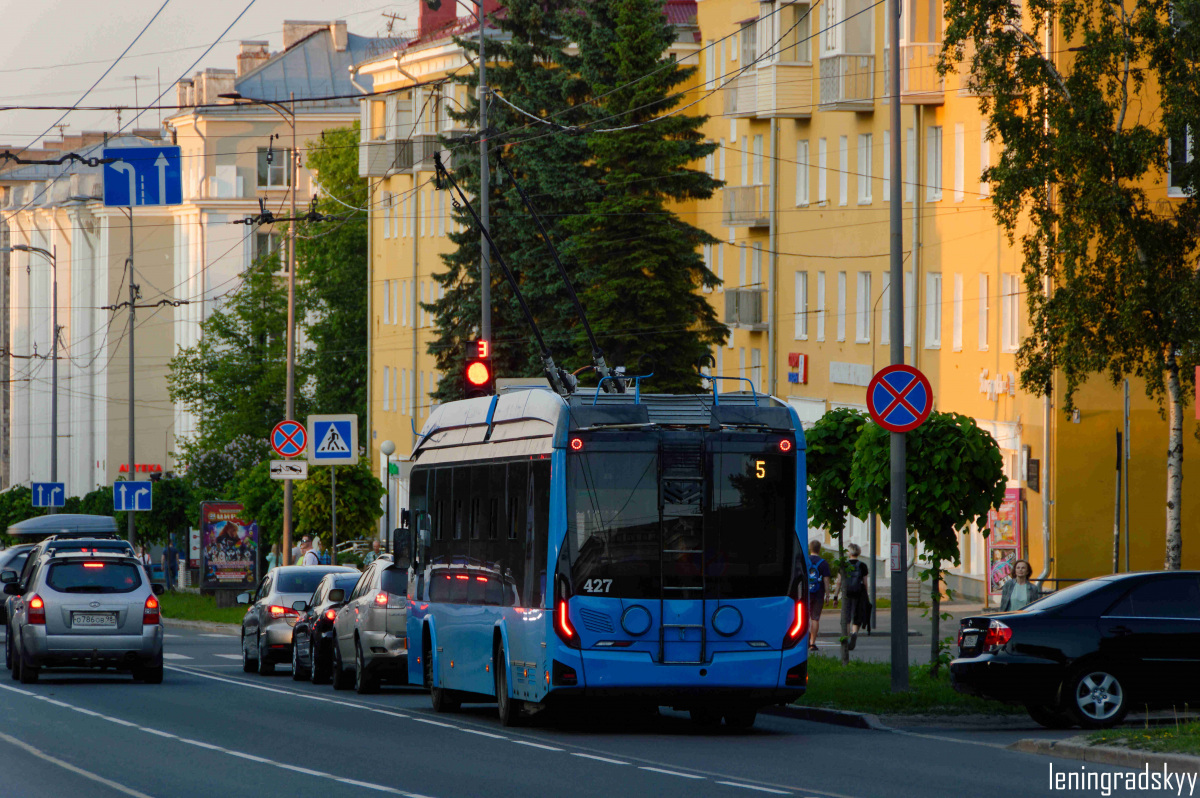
{"x": 228, "y": 547}
{"x": 1004, "y": 545}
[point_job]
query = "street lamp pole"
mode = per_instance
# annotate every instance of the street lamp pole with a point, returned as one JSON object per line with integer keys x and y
{"x": 386, "y": 449}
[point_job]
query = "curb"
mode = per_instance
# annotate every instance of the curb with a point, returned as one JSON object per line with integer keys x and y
{"x": 1107, "y": 754}
{"x": 835, "y": 717}
{"x": 204, "y": 626}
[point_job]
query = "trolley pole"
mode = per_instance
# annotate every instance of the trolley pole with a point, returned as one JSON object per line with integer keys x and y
{"x": 898, "y": 559}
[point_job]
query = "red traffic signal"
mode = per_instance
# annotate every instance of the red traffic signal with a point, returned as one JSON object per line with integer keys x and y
{"x": 478, "y": 378}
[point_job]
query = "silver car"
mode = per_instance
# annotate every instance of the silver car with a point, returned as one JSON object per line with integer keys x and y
{"x": 369, "y": 630}
{"x": 85, "y": 609}
{"x": 267, "y": 625}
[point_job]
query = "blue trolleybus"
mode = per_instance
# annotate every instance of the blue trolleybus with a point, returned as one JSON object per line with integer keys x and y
{"x": 621, "y": 547}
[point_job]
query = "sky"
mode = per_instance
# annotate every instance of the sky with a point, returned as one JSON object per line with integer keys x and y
{"x": 55, "y": 49}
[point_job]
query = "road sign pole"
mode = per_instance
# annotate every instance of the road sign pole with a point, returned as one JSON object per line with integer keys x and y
{"x": 131, "y": 530}
{"x": 294, "y": 174}
{"x": 899, "y": 520}
{"x": 333, "y": 502}
{"x": 54, "y": 370}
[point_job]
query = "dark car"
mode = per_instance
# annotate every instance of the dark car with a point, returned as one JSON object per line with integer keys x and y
{"x": 312, "y": 636}
{"x": 1088, "y": 653}
{"x": 267, "y": 625}
{"x": 13, "y": 559}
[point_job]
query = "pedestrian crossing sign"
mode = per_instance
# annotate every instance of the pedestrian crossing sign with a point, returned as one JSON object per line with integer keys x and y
{"x": 333, "y": 440}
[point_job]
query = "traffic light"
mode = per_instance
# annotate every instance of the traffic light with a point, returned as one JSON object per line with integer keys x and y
{"x": 478, "y": 378}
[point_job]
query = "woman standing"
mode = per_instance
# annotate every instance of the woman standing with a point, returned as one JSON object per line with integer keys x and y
{"x": 1019, "y": 592}
{"x": 273, "y": 559}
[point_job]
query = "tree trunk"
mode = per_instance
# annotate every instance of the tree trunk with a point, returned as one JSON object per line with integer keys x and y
{"x": 935, "y": 598}
{"x": 1174, "y": 464}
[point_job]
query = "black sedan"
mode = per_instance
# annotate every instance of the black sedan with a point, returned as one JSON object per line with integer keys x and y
{"x": 1087, "y": 654}
{"x": 312, "y": 636}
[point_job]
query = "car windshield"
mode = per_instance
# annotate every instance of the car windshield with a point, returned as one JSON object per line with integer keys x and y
{"x": 299, "y": 582}
{"x": 93, "y": 577}
{"x": 1061, "y": 598}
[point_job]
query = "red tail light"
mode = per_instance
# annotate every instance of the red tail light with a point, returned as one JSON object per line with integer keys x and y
{"x": 381, "y": 599}
{"x": 277, "y": 611}
{"x": 93, "y": 565}
{"x": 37, "y": 610}
{"x": 998, "y": 634}
{"x": 331, "y": 614}
{"x": 562, "y": 623}
{"x": 150, "y": 615}
{"x": 799, "y": 625}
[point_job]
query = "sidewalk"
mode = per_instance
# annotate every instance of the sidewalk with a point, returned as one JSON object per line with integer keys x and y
{"x": 877, "y": 647}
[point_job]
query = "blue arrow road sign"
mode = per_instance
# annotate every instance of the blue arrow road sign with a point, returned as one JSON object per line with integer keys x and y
{"x": 49, "y": 494}
{"x": 132, "y": 496}
{"x": 142, "y": 176}
{"x": 899, "y": 398}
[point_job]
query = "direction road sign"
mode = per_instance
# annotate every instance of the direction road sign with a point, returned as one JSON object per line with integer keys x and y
{"x": 142, "y": 176}
{"x": 899, "y": 398}
{"x": 333, "y": 440}
{"x": 289, "y": 439}
{"x": 49, "y": 494}
{"x": 132, "y": 496}
{"x": 289, "y": 469}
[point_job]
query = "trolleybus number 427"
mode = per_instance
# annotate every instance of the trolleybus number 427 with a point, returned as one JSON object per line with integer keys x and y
{"x": 597, "y": 585}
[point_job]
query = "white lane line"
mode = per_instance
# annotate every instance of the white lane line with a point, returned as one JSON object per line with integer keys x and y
{"x": 201, "y": 744}
{"x": 670, "y": 772}
{"x": 599, "y": 758}
{"x": 357, "y": 783}
{"x": 228, "y": 656}
{"x": 435, "y": 723}
{"x": 484, "y": 734}
{"x": 753, "y": 787}
{"x": 386, "y": 712}
{"x": 167, "y": 635}
{"x": 170, "y": 655}
{"x": 537, "y": 745}
{"x": 159, "y": 732}
{"x": 210, "y": 634}
{"x": 251, "y": 757}
{"x": 87, "y": 774}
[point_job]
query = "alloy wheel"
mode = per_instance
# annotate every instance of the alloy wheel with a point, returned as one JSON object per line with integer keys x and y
{"x": 1099, "y": 696}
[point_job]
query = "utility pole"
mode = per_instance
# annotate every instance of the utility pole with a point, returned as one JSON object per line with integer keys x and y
{"x": 485, "y": 270}
{"x": 899, "y": 495}
{"x": 133, "y": 296}
{"x": 291, "y": 337}
{"x": 54, "y": 369}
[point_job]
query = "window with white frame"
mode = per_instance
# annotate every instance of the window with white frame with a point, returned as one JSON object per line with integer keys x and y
{"x": 274, "y": 168}
{"x": 756, "y": 266}
{"x": 862, "y": 313}
{"x": 756, "y": 369}
{"x": 745, "y": 158}
{"x": 741, "y": 265}
{"x": 841, "y": 306}
{"x": 843, "y": 170}
{"x": 822, "y": 184}
{"x": 708, "y": 264}
{"x": 395, "y": 392}
{"x": 758, "y": 160}
{"x": 404, "y": 395}
{"x": 910, "y": 166}
{"x": 1009, "y": 310}
{"x": 441, "y": 195}
{"x": 749, "y": 36}
{"x": 1181, "y": 153}
{"x": 404, "y": 303}
{"x": 933, "y": 164}
{"x": 885, "y": 309}
{"x": 985, "y": 161}
{"x": 387, "y": 388}
{"x": 802, "y": 167}
{"x": 721, "y": 266}
{"x": 395, "y": 301}
{"x": 800, "y": 332}
{"x": 387, "y": 301}
{"x": 910, "y": 309}
{"x": 820, "y": 306}
{"x": 933, "y": 310}
{"x": 796, "y": 25}
{"x": 709, "y": 63}
{"x": 387, "y": 214}
{"x": 742, "y": 362}
{"x": 865, "y": 152}
{"x": 958, "y": 313}
{"x": 833, "y": 30}
{"x": 960, "y": 162}
{"x": 983, "y": 312}
{"x": 887, "y": 166}
{"x": 710, "y": 167}
{"x": 721, "y": 160}
{"x": 270, "y": 245}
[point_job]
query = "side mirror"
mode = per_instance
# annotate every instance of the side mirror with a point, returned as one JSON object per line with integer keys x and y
{"x": 12, "y": 589}
{"x": 243, "y": 598}
{"x": 337, "y": 595}
{"x": 8, "y": 577}
{"x": 158, "y": 589}
{"x": 300, "y": 606}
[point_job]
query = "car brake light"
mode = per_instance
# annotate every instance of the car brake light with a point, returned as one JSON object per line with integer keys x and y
{"x": 381, "y": 599}
{"x": 93, "y": 565}
{"x": 277, "y": 611}
{"x": 150, "y": 616}
{"x": 331, "y": 614}
{"x": 37, "y": 610}
{"x": 799, "y": 625}
{"x": 998, "y": 634}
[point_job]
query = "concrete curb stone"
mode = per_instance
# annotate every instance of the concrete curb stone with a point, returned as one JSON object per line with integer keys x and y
{"x": 205, "y": 626}
{"x": 836, "y": 717}
{"x": 1107, "y": 754}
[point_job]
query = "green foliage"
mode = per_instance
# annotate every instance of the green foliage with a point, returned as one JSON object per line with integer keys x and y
{"x": 331, "y": 265}
{"x": 16, "y": 504}
{"x": 358, "y": 502}
{"x": 262, "y": 498}
{"x": 170, "y": 513}
{"x": 830, "y": 455}
{"x": 194, "y": 607}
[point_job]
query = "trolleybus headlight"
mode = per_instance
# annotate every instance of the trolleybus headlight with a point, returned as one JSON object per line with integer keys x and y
{"x": 799, "y": 625}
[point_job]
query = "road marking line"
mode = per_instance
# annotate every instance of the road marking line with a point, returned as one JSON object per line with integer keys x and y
{"x": 159, "y": 732}
{"x": 753, "y": 787}
{"x": 536, "y": 745}
{"x": 210, "y": 634}
{"x": 228, "y": 656}
{"x": 169, "y": 655}
{"x": 357, "y": 783}
{"x": 386, "y": 712}
{"x": 251, "y": 757}
{"x": 87, "y": 774}
{"x": 484, "y": 734}
{"x": 670, "y": 772}
{"x": 118, "y": 721}
{"x": 201, "y": 744}
{"x": 435, "y": 723}
{"x": 167, "y": 635}
{"x": 305, "y": 771}
{"x": 599, "y": 758}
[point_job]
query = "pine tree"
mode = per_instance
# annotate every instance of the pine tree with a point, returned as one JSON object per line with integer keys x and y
{"x": 639, "y": 264}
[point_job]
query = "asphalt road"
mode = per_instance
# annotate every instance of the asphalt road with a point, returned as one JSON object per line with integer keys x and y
{"x": 210, "y": 730}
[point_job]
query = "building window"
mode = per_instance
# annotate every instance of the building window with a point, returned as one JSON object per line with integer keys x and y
{"x": 795, "y": 44}
{"x": 742, "y": 362}
{"x": 958, "y": 312}
{"x": 864, "y": 169}
{"x": 887, "y": 166}
{"x": 802, "y": 172}
{"x": 758, "y": 160}
{"x": 749, "y": 42}
{"x": 833, "y": 30}
{"x": 708, "y": 264}
{"x": 756, "y": 266}
{"x": 910, "y": 165}
{"x": 820, "y": 306}
{"x": 721, "y": 266}
{"x": 387, "y": 214}
{"x": 885, "y": 310}
{"x": 1181, "y": 154}
{"x": 910, "y": 309}
{"x": 841, "y": 306}
{"x": 756, "y": 369}
{"x": 270, "y": 245}
{"x": 395, "y": 301}
{"x": 387, "y": 302}
{"x": 983, "y": 313}
{"x": 1009, "y": 305}
{"x": 273, "y": 171}
{"x": 843, "y": 170}
{"x": 404, "y": 303}
{"x": 862, "y": 305}
{"x": 387, "y": 385}
{"x": 742, "y": 265}
{"x": 745, "y": 162}
{"x": 985, "y": 162}
{"x": 801, "y": 322}
{"x": 933, "y": 311}
{"x": 709, "y": 63}
{"x": 822, "y": 160}
{"x": 721, "y": 160}
{"x": 960, "y": 162}
{"x": 933, "y": 164}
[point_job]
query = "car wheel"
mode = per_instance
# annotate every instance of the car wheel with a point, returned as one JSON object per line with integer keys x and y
{"x": 1096, "y": 698}
{"x": 248, "y": 665}
{"x": 741, "y": 717}
{"x": 508, "y": 708}
{"x": 1049, "y": 717}
{"x": 265, "y": 666}
{"x": 299, "y": 673}
{"x": 318, "y": 669}
{"x": 363, "y": 681}
{"x": 341, "y": 680}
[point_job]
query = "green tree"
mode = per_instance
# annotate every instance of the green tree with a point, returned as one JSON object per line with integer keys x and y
{"x": 16, "y": 504}
{"x": 829, "y": 458}
{"x": 171, "y": 513}
{"x": 954, "y": 474}
{"x": 640, "y": 268}
{"x": 331, "y": 265}
{"x": 262, "y": 498}
{"x": 1109, "y": 265}
{"x": 529, "y": 66}
{"x": 358, "y": 502}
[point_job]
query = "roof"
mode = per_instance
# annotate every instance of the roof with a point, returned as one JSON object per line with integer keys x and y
{"x": 312, "y": 67}
{"x": 63, "y": 523}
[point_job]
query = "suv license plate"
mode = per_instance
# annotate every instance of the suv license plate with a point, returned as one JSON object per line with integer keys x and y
{"x": 93, "y": 619}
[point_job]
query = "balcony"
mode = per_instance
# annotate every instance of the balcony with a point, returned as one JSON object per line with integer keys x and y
{"x": 383, "y": 157}
{"x": 964, "y": 72}
{"x": 785, "y": 91}
{"x": 744, "y": 308}
{"x": 746, "y": 206}
{"x": 848, "y": 83}
{"x": 920, "y": 83}
{"x": 741, "y": 95}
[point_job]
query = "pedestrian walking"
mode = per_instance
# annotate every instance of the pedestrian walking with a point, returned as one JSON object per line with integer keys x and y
{"x": 323, "y": 557}
{"x": 273, "y": 559}
{"x": 170, "y": 560}
{"x": 819, "y": 577}
{"x": 372, "y": 555}
{"x": 310, "y": 557}
{"x": 856, "y": 604}
{"x": 1018, "y": 592}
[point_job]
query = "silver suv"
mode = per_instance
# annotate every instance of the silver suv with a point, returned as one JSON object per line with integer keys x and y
{"x": 370, "y": 639}
{"x": 267, "y": 625}
{"x": 85, "y": 609}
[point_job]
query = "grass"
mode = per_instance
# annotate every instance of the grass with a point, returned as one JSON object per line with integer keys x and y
{"x": 867, "y": 687}
{"x": 194, "y": 607}
{"x": 1182, "y": 738}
